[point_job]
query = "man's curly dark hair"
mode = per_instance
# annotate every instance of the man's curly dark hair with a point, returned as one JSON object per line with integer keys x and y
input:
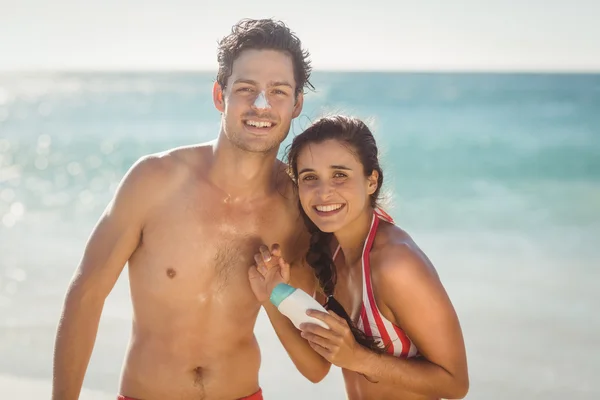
{"x": 263, "y": 34}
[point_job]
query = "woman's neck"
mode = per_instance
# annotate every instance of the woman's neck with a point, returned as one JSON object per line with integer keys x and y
{"x": 352, "y": 237}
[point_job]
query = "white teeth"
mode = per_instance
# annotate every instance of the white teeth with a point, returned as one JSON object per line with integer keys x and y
{"x": 259, "y": 124}
{"x": 329, "y": 207}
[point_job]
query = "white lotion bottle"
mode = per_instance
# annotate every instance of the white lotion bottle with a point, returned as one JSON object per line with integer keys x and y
{"x": 293, "y": 303}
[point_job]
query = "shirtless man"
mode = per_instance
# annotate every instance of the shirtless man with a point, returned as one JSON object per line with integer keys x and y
{"x": 188, "y": 222}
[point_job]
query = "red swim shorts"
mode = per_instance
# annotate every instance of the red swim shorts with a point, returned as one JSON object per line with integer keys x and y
{"x": 255, "y": 396}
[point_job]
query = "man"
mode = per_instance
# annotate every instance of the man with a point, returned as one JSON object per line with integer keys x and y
{"x": 188, "y": 222}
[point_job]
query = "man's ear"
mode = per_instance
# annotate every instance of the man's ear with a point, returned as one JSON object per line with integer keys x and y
{"x": 218, "y": 97}
{"x": 298, "y": 105}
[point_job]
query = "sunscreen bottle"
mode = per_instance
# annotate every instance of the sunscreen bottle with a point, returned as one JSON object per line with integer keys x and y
{"x": 293, "y": 303}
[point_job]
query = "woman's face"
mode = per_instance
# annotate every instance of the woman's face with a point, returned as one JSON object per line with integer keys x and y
{"x": 332, "y": 185}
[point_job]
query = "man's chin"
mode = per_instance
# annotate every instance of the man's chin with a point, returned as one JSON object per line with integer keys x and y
{"x": 255, "y": 147}
{"x": 257, "y": 144}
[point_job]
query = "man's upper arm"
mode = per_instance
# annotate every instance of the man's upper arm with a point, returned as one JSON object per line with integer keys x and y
{"x": 302, "y": 275}
{"x": 117, "y": 234}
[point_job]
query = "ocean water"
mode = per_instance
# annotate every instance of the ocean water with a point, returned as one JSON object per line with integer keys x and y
{"x": 497, "y": 176}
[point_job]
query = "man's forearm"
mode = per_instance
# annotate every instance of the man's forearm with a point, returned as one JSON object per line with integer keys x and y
{"x": 75, "y": 339}
{"x": 307, "y": 361}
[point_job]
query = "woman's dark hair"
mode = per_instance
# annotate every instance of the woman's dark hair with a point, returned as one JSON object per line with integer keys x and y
{"x": 358, "y": 137}
{"x": 263, "y": 34}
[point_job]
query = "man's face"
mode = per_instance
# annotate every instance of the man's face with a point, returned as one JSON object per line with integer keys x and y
{"x": 259, "y": 102}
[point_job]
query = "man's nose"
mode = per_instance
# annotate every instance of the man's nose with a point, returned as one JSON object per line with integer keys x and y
{"x": 261, "y": 102}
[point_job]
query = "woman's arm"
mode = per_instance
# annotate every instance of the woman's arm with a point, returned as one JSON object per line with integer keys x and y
{"x": 264, "y": 277}
{"x": 408, "y": 288}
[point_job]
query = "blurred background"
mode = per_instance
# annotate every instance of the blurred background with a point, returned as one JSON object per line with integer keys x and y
{"x": 487, "y": 114}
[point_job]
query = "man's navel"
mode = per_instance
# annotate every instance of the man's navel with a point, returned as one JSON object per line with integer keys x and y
{"x": 171, "y": 273}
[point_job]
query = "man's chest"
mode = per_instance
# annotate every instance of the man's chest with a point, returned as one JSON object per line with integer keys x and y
{"x": 219, "y": 240}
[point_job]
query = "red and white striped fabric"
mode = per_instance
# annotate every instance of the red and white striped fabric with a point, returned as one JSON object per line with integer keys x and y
{"x": 371, "y": 321}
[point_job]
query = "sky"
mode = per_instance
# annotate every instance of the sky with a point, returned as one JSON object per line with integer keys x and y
{"x": 432, "y": 35}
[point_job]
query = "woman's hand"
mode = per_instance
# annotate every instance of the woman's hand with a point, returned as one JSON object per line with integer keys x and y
{"x": 337, "y": 344}
{"x": 269, "y": 271}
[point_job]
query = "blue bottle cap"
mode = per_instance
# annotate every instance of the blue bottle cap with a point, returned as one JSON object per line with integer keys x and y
{"x": 280, "y": 293}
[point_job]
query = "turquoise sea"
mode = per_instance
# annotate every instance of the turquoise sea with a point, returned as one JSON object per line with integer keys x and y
{"x": 497, "y": 176}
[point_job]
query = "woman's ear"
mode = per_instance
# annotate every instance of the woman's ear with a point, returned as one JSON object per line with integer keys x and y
{"x": 372, "y": 182}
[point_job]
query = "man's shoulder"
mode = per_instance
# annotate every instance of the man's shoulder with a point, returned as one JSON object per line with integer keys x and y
{"x": 288, "y": 197}
{"x": 165, "y": 168}
{"x": 284, "y": 182}
{"x": 177, "y": 160}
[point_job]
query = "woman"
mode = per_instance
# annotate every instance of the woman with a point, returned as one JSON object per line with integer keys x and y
{"x": 392, "y": 327}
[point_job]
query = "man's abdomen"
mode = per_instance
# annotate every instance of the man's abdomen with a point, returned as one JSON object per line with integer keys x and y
{"x": 157, "y": 370}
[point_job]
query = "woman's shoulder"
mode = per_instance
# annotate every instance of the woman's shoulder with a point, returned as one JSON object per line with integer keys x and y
{"x": 396, "y": 259}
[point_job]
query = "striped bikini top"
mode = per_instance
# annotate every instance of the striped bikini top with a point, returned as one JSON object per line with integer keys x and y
{"x": 371, "y": 321}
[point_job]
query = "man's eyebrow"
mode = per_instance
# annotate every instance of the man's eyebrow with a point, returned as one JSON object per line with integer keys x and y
{"x": 243, "y": 80}
{"x": 273, "y": 83}
{"x": 281, "y": 83}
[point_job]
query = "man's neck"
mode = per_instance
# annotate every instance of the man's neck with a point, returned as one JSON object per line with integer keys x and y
{"x": 241, "y": 174}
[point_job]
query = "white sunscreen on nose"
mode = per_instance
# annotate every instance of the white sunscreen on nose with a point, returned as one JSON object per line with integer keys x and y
{"x": 261, "y": 101}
